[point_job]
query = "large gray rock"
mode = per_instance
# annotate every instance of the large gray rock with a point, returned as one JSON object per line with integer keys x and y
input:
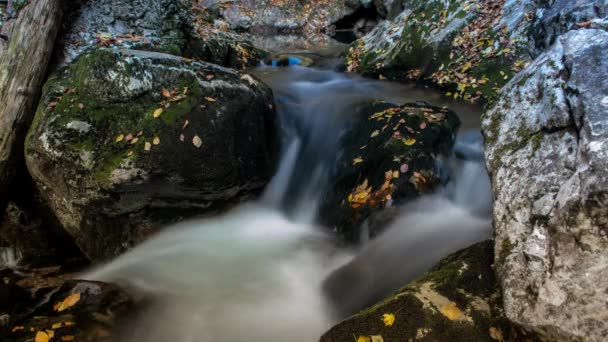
{"x": 547, "y": 153}
{"x": 114, "y": 168}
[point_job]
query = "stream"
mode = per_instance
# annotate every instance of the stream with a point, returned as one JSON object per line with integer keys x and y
{"x": 266, "y": 271}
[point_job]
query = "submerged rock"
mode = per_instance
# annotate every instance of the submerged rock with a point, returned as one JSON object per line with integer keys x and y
{"x": 457, "y": 300}
{"x": 547, "y": 156}
{"x": 123, "y": 143}
{"x": 389, "y": 158}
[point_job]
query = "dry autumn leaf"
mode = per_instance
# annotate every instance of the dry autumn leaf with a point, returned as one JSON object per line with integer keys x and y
{"x": 210, "y": 99}
{"x": 69, "y": 323}
{"x": 120, "y": 138}
{"x": 157, "y": 113}
{"x": 357, "y": 160}
{"x": 388, "y": 319}
{"x": 409, "y": 142}
{"x": 166, "y": 93}
{"x": 41, "y": 336}
{"x": 363, "y": 339}
{"x": 496, "y": 334}
{"x": 156, "y": 141}
{"x": 67, "y": 338}
{"x": 70, "y": 301}
{"x": 377, "y": 338}
{"x": 57, "y": 325}
{"x": 17, "y": 328}
{"x": 197, "y": 141}
{"x": 451, "y": 311}
{"x": 147, "y": 146}
{"x": 375, "y": 133}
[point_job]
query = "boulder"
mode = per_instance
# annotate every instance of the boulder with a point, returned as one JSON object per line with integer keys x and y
{"x": 470, "y": 48}
{"x": 457, "y": 300}
{"x": 547, "y": 156}
{"x": 125, "y": 142}
{"x": 389, "y": 157}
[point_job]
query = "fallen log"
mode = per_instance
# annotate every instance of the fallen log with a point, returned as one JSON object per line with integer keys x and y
{"x": 24, "y": 56}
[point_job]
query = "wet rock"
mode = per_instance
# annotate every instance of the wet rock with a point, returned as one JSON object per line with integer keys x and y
{"x": 91, "y": 311}
{"x": 457, "y": 300}
{"x": 546, "y": 153}
{"x": 388, "y": 158}
{"x": 124, "y": 143}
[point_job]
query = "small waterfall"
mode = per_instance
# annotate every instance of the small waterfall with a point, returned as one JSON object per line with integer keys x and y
{"x": 257, "y": 272}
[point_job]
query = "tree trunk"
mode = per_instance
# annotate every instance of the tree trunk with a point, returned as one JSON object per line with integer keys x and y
{"x": 25, "y": 52}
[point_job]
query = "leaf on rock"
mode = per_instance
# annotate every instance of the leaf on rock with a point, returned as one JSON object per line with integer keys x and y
{"x": 41, "y": 336}
{"x": 249, "y": 79}
{"x": 67, "y": 303}
{"x": 388, "y": 319}
{"x": 451, "y": 311}
{"x": 157, "y": 112}
{"x": 409, "y": 142}
{"x": 197, "y": 141}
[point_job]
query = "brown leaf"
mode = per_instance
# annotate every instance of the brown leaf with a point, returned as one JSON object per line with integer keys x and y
{"x": 197, "y": 141}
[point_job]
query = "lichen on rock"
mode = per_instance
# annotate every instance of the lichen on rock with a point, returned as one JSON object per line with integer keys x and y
{"x": 113, "y": 146}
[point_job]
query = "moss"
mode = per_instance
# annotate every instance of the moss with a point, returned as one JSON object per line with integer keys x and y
{"x": 506, "y": 247}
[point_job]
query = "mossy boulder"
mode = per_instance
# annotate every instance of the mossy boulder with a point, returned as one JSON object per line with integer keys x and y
{"x": 457, "y": 300}
{"x": 124, "y": 142}
{"x": 389, "y": 157}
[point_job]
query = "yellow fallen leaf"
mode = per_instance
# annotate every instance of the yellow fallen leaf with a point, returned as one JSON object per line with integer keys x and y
{"x": 70, "y": 301}
{"x": 395, "y": 174}
{"x": 51, "y": 333}
{"x": 156, "y": 141}
{"x": 147, "y": 146}
{"x": 375, "y": 133}
{"x": 210, "y": 99}
{"x": 157, "y": 113}
{"x": 451, "y": 311}
{"x": 388, "y": 319}
{"x": 67, "y": 338}
{"x": 377, "y": 338}
{"x": 357, "y": 160}
{"x": 120, "y": 138}
{"x": 197, "y": 141}
{"x": 496, "y": 334}
{"x": 409, "y": 142}
{"x": 466, "y": 67}
{"x": 41, "y": 336}
{"x": 69, "y": 324}
{"x": 57, "y": 325}
{"x": 363, "y": 339}
{"x": 17, "y": 328}
{"x": 134, "y": 141}
{"x": 166, "y": 93}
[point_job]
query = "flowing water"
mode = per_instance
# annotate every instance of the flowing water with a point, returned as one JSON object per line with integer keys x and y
{"x": 265, "y": 271}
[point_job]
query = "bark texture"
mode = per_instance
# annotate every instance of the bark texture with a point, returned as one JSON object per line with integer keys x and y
{"x": 24, "y": 58}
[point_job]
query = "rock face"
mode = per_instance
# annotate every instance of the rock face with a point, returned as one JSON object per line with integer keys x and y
{"x": 124, "y": 142}
{"x": 389, "y": 158}
{"x": 288, "y": 16}
{"x": 457, "y": 300}
{"x": 546, "y": 152}
{"x": 470, "y": 48}
{"x": 182, "y": 28}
